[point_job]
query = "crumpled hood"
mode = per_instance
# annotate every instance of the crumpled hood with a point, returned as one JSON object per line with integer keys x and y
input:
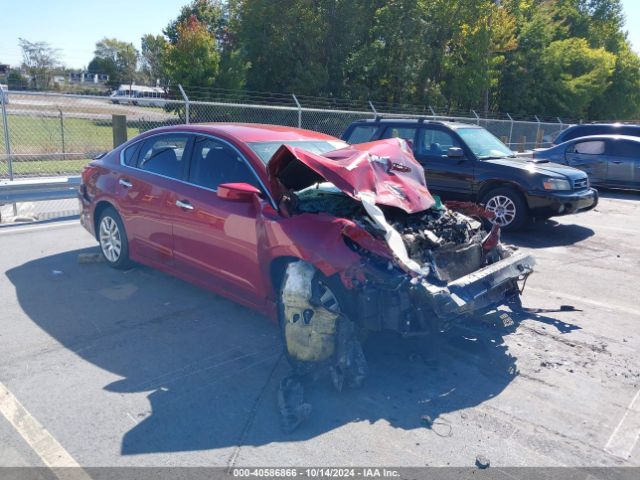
{"x": 384, "y": 170}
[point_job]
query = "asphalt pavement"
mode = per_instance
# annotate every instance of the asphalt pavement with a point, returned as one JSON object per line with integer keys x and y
{"x": 136, "y": 368}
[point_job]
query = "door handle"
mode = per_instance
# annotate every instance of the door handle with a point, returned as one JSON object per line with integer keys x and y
{"x": 617, "y": 162}
{"x": 125, "y": 183}
{"x": 184, "y": 204}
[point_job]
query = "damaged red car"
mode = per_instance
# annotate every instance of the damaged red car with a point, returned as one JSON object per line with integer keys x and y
{"x": 330, "y": 240}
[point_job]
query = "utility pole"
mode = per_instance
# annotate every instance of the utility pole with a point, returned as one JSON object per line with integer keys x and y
{"x": 489, "y": 55}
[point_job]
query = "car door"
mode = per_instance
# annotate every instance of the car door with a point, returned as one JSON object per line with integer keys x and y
{"x": 215, "y": 241}
{"x": 450, "y": 177}
{"x": 623, "y": 157}
{"x": 590, "y": 157}
{"x": 151, "y": 170}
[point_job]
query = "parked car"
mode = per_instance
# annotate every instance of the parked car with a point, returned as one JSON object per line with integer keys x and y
{"x": 609, "y": 160}
{"x": 329, "y": 239}
{"x": 588, "y": 129}
{"x": 466, "y": 162}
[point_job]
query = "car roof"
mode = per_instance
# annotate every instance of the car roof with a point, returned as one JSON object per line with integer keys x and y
{"x": 248, "y": 132}
{"x": 421, "y": 121}
{"x": 614, "y": 125}
{"x": 605, "y": 137}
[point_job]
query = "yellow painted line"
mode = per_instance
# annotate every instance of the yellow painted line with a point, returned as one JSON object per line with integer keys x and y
{"x": 52, "y": 454}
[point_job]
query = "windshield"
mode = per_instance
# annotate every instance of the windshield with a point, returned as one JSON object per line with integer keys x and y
{"x": 265, "y": 150}
{"x": 483, "y": 144}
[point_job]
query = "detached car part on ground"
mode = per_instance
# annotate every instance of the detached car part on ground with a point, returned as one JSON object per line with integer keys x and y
{"x": 332, "y": 244}
{"x": 420, "y": 264}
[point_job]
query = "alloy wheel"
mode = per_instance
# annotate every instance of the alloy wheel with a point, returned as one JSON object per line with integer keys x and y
{"x": 503, "y": 208}
{"x": 110, "y": 239}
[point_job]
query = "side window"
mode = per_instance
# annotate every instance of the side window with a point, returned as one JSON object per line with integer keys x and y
{"x": 435, "y": 143}
{"x": 407, "y": 133}
{"x": 164, "y": 155}
{"x": 623, "y": 148}
{"x": 587, "y": 148}
{"x": 130, "y": 155}
{"x": 214, "y": 163}
{"x": 362, "y": 134}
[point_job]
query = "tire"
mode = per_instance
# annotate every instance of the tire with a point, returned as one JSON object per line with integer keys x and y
{"x": 112, "y": 239}
{"x": 332, "y": 297}
{"x": 509, "y": 207}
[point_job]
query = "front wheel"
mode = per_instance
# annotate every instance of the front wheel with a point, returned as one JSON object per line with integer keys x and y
{"x": 112, "y": 237}
{"x": 508, "y": 206}
{"x": 316, "y": 329}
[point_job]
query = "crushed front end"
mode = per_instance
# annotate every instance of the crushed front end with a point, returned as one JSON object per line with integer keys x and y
{"x": 422, "y": 264}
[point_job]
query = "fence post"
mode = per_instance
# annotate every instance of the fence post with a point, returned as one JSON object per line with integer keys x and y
{"x": 510, "y": 130}
{"x": 186, "y": 104}
{"x": 299, "y": 110}
{"x": 119, "y": 126}
{"x": 7, "y": 142}
{"x": 373, "y": 109}
{"x": 64, "y": 150}
{"x": 537, "y": 131}
{"x": 477, "y": 117}
{"x": 561, "y": 123}
{"x": 433, "y": 113}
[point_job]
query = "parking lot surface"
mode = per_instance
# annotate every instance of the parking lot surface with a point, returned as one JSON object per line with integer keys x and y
{"x": 140, "y": 369}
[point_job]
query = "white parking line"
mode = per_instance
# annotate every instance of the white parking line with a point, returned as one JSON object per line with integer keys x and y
{"x": 607, "y": 306}
{"x": 39, "y": 439}
{"x": 625, "y": 436}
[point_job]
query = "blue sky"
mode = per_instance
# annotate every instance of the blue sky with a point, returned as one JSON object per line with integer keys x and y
{"x": 75, "y": 26}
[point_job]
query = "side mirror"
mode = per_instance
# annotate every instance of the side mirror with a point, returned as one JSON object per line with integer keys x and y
{"x": 455, "y": 152}
{"x": 238, "y": 192}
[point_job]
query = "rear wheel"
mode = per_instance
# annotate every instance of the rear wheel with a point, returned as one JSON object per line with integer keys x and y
{"x": 112, "y": 237}
{"x": 508, "y": 206}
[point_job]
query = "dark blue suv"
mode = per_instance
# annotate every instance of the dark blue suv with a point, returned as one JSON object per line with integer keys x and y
{"x": 465, "y": 162}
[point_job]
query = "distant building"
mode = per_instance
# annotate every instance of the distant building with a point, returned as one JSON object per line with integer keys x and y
{"x": 86, "y": 77}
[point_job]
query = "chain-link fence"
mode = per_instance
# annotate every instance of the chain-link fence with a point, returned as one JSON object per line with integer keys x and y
{"x": 48, "y": 134}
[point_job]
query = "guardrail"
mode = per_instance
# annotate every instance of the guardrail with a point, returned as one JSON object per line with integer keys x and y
{"x": 38, "y": 189}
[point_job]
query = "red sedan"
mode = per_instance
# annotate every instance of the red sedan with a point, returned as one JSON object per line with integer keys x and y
{"x": 328, "y": 238}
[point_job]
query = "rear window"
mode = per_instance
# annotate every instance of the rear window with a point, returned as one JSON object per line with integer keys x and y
{"x": 406, "y": 133}
{"x": 362, "y": 134}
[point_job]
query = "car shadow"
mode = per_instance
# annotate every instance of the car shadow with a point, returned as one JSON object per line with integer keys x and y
{"x": 619, "y": 194}
{"x": 548, "y": 233}
{"x": 210, "y": 368}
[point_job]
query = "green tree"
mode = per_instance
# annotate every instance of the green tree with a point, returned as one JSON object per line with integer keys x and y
{"x": 193, "y": 59}
{"x": 116, "y": 58}
{"x": 209, "y": 13}
{"x": 152, "y": 58}
{"x": 39, "y": 59}
{"x": 621, "y": 99}
{"x": 574, "y": 74}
